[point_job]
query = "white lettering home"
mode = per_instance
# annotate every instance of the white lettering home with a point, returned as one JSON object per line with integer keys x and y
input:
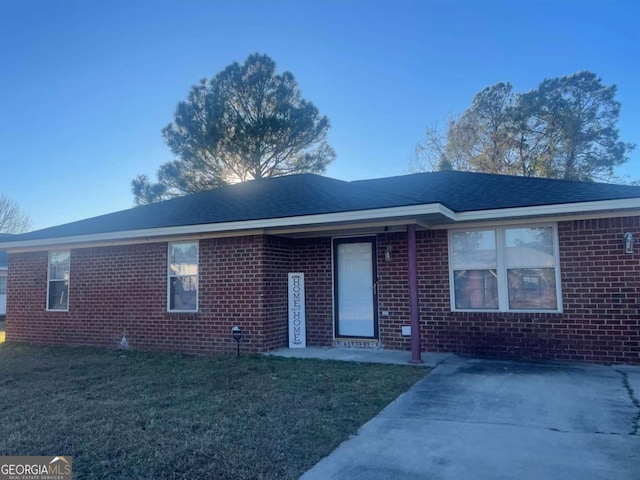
{"x": 297, "y": 327}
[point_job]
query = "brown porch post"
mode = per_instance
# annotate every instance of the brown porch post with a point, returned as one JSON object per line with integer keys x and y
{"x": 414, "y": 314}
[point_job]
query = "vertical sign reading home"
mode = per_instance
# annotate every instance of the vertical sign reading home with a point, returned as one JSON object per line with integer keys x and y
{"x": 297, "y": 328}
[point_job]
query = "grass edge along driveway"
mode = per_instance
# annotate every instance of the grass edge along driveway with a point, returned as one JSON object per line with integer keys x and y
{"x": 149, "y": 415}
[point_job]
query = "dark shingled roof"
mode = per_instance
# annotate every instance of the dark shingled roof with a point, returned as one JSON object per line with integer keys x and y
{"x": 467, "y": 191}
{"x": 280, "y": 197}
{"x": 308, "y": 194}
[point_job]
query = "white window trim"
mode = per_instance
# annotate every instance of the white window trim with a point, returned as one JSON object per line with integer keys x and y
{"x": 49, "y": 283}
{"x": 501, "y": 269}
{"x": 170, "y": 276}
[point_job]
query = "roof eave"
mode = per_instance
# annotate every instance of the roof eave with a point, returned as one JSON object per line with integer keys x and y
{"x": 560, "y": 209}
{"x": 410, "y": 213}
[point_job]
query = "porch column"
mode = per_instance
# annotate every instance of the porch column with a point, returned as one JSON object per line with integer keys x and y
{"x": 414, "y": 314}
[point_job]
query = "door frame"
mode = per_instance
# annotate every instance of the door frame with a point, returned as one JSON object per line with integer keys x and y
{"x": 374, "y": 275}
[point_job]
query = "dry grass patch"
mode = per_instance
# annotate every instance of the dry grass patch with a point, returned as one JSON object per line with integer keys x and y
{"x": 141, "y": 415}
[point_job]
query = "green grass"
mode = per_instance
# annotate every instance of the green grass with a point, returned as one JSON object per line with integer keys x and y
{"x": 142, "y": 415}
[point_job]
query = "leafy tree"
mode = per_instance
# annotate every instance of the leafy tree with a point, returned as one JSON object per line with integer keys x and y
{"x": 12, "y": 218}
{"x": 246, "y": 122}
{"x": 576, "y": 118}
{"x": 566, "y": 128}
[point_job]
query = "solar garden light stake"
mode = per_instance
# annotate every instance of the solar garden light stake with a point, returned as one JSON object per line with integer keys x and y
{"x": 237, "y": 336}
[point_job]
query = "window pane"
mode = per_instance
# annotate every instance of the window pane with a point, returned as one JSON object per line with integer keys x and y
{"x": 530, "y": 247}
{"x": 58, "y": 295}
{"x": 184, "y": 252}
{"x": 476, "y": 289}
{"x": 3, "y": 285}
{"x": 476, "y": 249}
{"x": 183, "y": 269}
{"x": 183, "y": 258}
{"x": 183, "y": 293}
{"x": 532, "y": 289}
{"x": 59, "y": 265}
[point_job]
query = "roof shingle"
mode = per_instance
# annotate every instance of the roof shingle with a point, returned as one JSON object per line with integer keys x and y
{"x": 308, "y": 194}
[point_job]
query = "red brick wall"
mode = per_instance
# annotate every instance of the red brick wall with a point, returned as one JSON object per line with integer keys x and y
{"x": 277, "y": 264}
{"x": 601, "y": 295}
{"x": 313, "y": 258}
{"x": 393, "y": 290}
{"x": 243, "y": 281}
{"x": 123, "y": 289}
{"x": 600, "y": 288}
{"x": 231, "y": 292}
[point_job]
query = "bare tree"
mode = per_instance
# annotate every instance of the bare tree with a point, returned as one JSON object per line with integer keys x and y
{"x": 429, "y": 153}
{"x": 440, "y": 150}
{"x": 12, "y": 218}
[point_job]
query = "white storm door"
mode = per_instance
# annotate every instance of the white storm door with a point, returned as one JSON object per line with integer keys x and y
{"x": 355, "y": 287}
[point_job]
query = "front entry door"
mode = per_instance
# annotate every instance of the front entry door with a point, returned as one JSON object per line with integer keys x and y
{"x": 355, "y": 287}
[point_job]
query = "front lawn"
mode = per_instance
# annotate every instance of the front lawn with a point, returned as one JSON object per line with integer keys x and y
{"x": 142, "y": 415}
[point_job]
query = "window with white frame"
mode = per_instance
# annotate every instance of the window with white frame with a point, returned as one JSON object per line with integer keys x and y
{"x": 512, "y": 268}
{"x": 58, "y": 280}
{"x": 3, "y": 283}
{"x": 183, "y": 277}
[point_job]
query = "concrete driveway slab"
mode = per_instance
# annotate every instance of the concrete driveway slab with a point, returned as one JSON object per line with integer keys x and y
{"x": 483, "y": 419}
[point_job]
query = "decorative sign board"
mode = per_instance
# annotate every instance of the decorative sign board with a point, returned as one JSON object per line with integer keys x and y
{"x": 297, "y": 327}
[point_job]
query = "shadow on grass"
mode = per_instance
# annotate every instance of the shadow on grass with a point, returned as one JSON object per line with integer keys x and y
{"x": 142, "y": 415}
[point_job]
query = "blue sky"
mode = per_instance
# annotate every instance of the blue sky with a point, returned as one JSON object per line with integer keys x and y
{"x": 86, "y": 86}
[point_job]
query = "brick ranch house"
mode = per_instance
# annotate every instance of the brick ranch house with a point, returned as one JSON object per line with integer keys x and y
{"x": 444, "y": 262}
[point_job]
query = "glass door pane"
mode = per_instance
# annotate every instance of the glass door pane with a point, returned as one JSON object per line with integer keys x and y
{"x": 355, "y": 284}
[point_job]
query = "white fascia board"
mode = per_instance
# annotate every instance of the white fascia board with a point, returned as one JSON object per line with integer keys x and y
{"x": 302, "y": 220}
{"x": 549, "y": 210}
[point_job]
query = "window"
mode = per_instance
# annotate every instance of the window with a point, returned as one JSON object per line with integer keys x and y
{"x": 506, "y": 269}
{"x": 3, "y": 284}
{"x": 58, "y": 281}
{"x": 475, "y": 264}
{"x": 183, "y": 277}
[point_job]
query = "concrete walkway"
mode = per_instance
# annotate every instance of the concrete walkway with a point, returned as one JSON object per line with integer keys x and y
{"x": 486, "y": 420}
{"x": 364, "y": 355}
